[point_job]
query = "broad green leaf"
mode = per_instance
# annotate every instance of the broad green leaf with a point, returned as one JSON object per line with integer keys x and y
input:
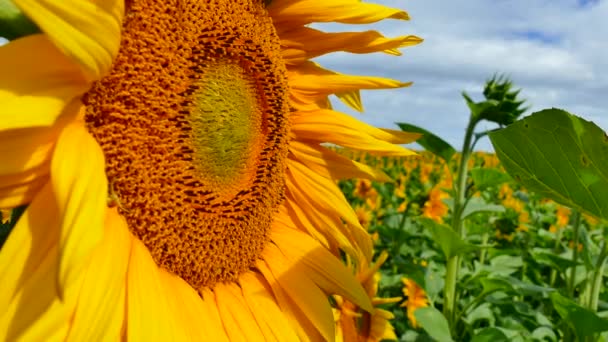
{"x": 544, "y": 334}
{"x": 477, "y": 205}
{"x": 483, "y": 313}
{"x": 430, "y": 142}
{"x": 451, "y": 244}
{"x": 495, "y": 283}
{"x": 549, "y": 258}
{"x": 434, "y": 323}
{"x": 559, "y": 156}
{"x": 490, "y": 335}
{"x": 584, "y": 321}
{"x": 505, "y": 264}
{"x": 484, "y": 178}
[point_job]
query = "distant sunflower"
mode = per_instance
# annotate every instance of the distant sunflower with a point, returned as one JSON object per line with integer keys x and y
{"x": 171, "y": 156}
{"x": 416, "y": 299}
{"x": 355, "y": 324}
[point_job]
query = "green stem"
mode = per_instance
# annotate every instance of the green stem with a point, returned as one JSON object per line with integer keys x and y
{"x": 597, "y": 278}
{"x": 556, "y": 249}
{"x": 575, "y": 228}
{"x": 482, "y": 254}
{"x": 453, "y": 263}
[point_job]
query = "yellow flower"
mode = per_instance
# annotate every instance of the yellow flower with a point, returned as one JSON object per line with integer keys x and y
{"x": 425, "y": 172}
{"x": 513, "y": 203}
{"x": 355, "y": 324}
{"x": 172, "y": 156}
{"x": 364, "y": 216}
{"x": 416, "y": 298}
{"x": 553, "y": 228}
{"x": 434, "y": 208}
{"x": 579, "y": 246}
{"x": 505, "y": 191}
{"x": 524, "y": 219}
{"x": 563, "y": 216}
{"x": 365, "y": 190}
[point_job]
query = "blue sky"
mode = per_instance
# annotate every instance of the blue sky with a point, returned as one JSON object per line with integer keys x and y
{"x": 555, "y": 50}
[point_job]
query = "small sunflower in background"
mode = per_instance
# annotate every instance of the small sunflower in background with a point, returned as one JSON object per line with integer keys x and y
{"x": 416, "y": 298}
{"x": 356, "y": 324}
{"x": 172, "y": 156}
{"x": 434, "y": 208}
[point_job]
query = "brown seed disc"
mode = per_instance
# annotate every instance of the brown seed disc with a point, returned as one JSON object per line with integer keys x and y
{"x": 193, "y": 123}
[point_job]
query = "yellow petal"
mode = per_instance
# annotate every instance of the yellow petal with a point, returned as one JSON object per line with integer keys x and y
{"x": 148, "y": 300}
{"x": 303, "y": 209}
{"x": 309, "y": 80}
{"x": 304, "y": 43}
{"x": 190, "y": 308}
{"x": 331, "y": 165}
{"x": 80, "y": 185}
{"x": 212, "y": 317}
{"x": 32, "y": 309}
{"x": 29, "y": 244}
{"x": 287, "y": 14}
{"x": 265, "y": 309}
{"x": 36, "y": 313}
{"x": 99, "y": 314}
{"x": 238, "y": 321}
{"x": 344, "y": 130}
{"x": 35, "y": 94}
{"x": 352, "y": 99}
{"x": 86, "y": 31}
{"x": 26, "y": 156}
{"x": 325, "y": 196}
{"x": 326, "y": 270}
{"x": 301, "y": 290}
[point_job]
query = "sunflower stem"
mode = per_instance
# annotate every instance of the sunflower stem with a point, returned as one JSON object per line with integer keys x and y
{"x": 453, "y": 264}
{"x": 575, "y": 228}
{"x": 597, "y": 278}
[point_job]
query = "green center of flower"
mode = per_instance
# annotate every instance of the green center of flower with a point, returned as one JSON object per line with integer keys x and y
{"x": 225, "y": 123}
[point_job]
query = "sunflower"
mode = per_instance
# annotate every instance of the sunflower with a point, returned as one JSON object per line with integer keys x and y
{"x": 355, "y": 324}
{"x": 172, "y": 157}
{"x": 434, "y": 207}
{"x": 416, "y": 299}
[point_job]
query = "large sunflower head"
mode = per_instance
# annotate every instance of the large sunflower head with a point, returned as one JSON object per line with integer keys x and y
{"x": 172, "y": 156}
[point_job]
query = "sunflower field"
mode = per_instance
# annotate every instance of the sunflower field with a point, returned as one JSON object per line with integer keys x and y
{"x": 527, "y": 248}
{"x": 493, "y": 247}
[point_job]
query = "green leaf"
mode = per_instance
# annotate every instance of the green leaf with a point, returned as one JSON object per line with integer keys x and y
{"x": 584, "y": 321}
{"x": 490, "y": 335}
{"x": 13, "y": 24}
{"x": 449, "y": 242}
{"x": 544, "y": 334}
{"x": 559, "y": 156}
{"x": 484, "y": 178}
{"x": 430, "y": 142}
{"x": 555, "y": 261}
{"x": 478, "y": 205}
{"x": 434, "y": 323}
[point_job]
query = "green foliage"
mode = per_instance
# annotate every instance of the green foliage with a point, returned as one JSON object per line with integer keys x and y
{"x": 559, "y": 156}
{"x": 13, "y": 24}
{"x": 430, "y": 141}
{"x": 433, "y": 322}
{"x": 449, "y": 242}
{"x": 484, "y": 178}
{"x": 584, "y": 321}
{"x": 521, "y": 266}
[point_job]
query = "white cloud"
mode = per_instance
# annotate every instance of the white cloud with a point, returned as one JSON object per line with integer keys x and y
{"x": 555, "y": 50}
